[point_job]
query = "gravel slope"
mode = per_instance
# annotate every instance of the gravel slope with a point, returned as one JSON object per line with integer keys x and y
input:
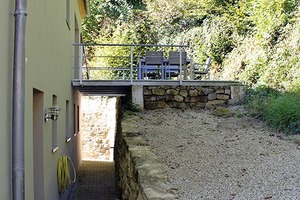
{"x": 210, "y": 157}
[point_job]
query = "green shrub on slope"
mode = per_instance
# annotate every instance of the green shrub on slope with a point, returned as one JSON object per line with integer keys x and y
{"x": 280, "y": 110}
{"x": 283, "y": 113}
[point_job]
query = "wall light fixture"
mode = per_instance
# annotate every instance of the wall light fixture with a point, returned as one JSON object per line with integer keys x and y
{"x": 53, "y": 113}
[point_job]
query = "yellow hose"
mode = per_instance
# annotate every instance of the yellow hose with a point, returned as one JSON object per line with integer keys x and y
{"x": 63, "y": 173}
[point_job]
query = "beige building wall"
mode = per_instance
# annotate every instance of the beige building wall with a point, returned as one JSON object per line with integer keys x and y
{"x": 49, "y": 69}
{"x": 49, "y": 64}
{"x": 6, "y": 60}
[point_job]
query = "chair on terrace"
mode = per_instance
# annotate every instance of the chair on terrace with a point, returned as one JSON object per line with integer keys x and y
{"x": 202, "y": 70}
{"x": 172, "y": 68}
{"x": 152, "y": 64}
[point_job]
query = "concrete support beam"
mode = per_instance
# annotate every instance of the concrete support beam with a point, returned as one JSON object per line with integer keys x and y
{"x": 237, "y": 94}
{"x": 138, "y": 96}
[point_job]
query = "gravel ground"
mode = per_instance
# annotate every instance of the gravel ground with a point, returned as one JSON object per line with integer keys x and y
{"x": 211, "y": 157}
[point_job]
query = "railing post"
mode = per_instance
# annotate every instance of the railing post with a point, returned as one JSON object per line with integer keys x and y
{"x": 131, "y": 64}
{"x": 180, "y": 66}
{"x": 80, "y": 63}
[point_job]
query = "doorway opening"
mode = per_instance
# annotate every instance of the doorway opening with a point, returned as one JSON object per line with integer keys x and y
{"x": 38, "y": 145}
{"x": 98, "y": 127}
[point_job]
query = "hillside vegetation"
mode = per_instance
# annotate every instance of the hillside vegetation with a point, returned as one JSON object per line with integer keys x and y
{"x": 256, "y": 42}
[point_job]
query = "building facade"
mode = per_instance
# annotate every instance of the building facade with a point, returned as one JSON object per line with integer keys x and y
{"x": 52, "y": 27}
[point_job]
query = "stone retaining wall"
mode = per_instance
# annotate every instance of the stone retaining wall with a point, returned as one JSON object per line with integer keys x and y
{"x": 140, "y": 173}
{"x": 158, "y": 97}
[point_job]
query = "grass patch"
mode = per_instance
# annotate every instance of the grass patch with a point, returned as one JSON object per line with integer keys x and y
{"x": 222, "y": 112}
{"x": 283, "y": 113}
{"x": 280, "y": 110}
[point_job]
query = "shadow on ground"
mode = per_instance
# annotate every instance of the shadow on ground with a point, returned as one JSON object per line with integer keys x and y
{"x": 96, "y": 181}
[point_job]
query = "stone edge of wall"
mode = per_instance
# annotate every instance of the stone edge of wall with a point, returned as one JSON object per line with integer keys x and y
{"x": 140, "y": 173}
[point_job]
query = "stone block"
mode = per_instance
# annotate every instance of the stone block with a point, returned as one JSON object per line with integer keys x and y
{"x": 190, "y": 99}
{"x": 200, "y": 105}
{"x": 193, "y": 93}
{"x": 195, "y": 99}
{"x": 180, "y": 105}
{"x": 170, "y": 98}
{"x": 183, "y": 93}
{"x": 222, "y": 96}
{"x": 220, "y": 91}
{"x": 178, "y": 98}
{"x": 147, "y": 92}
{"x": 197, "y": 105}
{"x": 208, "y": 91}
{"x": 172, "y": 92}
{"x": 200, "y": 91}
{"x": 150, "y": 98}
{"x": 227, "y": 91}
{"x": 212, "y": 96}
{"x": 158, "y": 91}
{"x": 161, "y": 98}
{"x": 156, "y": 105}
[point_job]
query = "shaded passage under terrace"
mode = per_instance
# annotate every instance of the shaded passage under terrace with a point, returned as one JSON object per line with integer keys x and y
{"x": 96, "y": 180}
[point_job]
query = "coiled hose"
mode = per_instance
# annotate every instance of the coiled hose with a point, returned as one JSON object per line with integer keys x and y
{"x": 63, "y": 173}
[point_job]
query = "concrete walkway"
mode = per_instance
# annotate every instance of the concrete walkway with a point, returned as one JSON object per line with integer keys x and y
{"x": 96, "y": 181}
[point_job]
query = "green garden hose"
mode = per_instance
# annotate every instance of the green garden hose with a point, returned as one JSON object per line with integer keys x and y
{"x": 63, "y": 173}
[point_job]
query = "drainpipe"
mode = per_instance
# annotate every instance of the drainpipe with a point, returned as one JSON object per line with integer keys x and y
{"x": 18, "y": 186}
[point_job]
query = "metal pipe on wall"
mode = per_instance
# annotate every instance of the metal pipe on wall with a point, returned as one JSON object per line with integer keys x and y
{"x": 18, "y": 186}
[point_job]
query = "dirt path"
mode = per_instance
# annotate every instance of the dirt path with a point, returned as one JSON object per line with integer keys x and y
{"x": 211, "y": 157}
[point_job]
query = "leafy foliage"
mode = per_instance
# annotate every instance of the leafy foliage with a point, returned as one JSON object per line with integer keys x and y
{"x": 253, "y": 41}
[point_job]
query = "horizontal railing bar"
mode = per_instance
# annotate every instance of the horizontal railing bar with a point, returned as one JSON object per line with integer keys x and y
{"x": 88, "y": 56}
{"x": 134, "y": 45}
{"x": 112, "y": 68}
{"x": 103, "y": 68}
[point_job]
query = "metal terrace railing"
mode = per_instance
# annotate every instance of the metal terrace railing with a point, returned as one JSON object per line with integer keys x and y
{"x": 129, "y": 62}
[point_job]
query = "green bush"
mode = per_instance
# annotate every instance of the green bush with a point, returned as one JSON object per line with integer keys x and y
{"x": 258, "y": 98}
{"x": 280, "y": 110}
{"x": 283, "y": 113}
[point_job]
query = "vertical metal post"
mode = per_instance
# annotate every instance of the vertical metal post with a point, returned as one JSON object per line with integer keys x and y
{"x": 180, "y": 66}
{"x": 191, "y": 70}
{"x": 80, "y": 63}
{"x": 18, "y": 186}
{"x": 131, "y": 64}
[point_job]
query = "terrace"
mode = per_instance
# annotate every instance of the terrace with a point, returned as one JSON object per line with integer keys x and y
{"x": 113, "y": 68}
{"x": 154, "y": 76}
